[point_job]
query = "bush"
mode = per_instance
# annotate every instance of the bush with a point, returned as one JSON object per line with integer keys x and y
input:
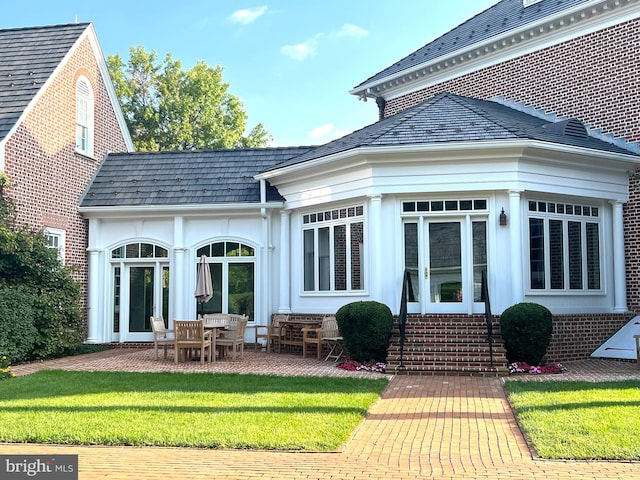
{"x": 365, "y": 328}
{"x": 526, "y": 330}
{"x": 17, "y": 332}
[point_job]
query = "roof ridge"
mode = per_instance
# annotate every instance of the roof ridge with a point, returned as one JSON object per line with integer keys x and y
{"x": 42, "y": 27}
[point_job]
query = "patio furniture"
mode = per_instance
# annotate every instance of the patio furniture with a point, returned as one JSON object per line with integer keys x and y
{"x": 233, "y": 338}
{"x": 637, "y": 337}
{"x": 319, "y": 336}
{"x": 162, "y": 336}
{"x": 270, "y": 333}
{"x": 336, "y": 348}
{"x": 292, "y": 332}
{"x": 190, "y": 336}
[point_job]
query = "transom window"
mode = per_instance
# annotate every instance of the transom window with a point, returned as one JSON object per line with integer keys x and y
{"x": 139, "y": 250}
{"x": 467, "y": 205}
{"x": 564, "y": 247}
{"x": 333, "y": 242}
{"x": 226, "y": 249}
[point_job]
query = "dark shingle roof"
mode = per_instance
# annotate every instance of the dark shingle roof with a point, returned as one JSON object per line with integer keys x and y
{"x": 184, "y": 177}
{"x": 28, "y": 57}
{"x": 500, "y": 18}
{"x": 449, "y": 118}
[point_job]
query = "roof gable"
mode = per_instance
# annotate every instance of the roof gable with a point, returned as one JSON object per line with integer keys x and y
{"x": 28, "y": 58}
{"x": 184, "y": 177}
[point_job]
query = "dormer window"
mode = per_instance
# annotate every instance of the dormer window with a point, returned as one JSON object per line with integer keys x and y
{"x": 528, "y": 3}
{"x": 84, "y": 117}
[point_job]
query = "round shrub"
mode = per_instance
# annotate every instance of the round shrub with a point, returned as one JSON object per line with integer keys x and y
{"x": 526, "y": 330}
{"x": 365, "y": 328}
{"x": 17, "y": 333}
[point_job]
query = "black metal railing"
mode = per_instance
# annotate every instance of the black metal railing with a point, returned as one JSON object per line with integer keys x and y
{"x": 407, "y": 296}
{"x": 488, "y": 316}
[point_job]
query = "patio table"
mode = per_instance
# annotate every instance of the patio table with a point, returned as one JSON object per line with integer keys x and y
{"x": 215, "y": 326}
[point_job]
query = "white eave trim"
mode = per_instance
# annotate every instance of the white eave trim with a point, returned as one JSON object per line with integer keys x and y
{"x": 170, "y": 210}
{"x": 577, "y": 21}
{"x": 461, "y": 148}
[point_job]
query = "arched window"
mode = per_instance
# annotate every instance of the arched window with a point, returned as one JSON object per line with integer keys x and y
{"x": 84, "y": 117}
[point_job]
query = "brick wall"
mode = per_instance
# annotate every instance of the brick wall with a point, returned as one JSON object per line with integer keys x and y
{"x": 593, "y": 78}
{"x": 47, "y": 176}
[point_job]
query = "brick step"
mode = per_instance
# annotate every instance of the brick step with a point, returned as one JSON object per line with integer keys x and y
{"x": 447, "y": 350}
{"x": 460, "y": 370}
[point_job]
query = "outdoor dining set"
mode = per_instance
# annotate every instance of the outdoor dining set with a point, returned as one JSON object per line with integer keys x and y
{"x": 221, "y": 336}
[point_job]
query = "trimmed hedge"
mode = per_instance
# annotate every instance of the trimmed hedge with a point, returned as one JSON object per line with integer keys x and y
{"x": 526, "y": 330}
{"x": 366, "y": 329}
{"x": 17, "y": 332}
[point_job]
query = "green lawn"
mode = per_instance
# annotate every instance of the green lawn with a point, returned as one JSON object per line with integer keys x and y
{"x": 173, "y": 409}
{"x": 579, "y": 420}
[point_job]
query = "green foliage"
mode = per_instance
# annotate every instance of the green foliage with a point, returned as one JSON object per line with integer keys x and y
{"x": 366, "y": 329}
{"x": 27, "y": 263}
{"x": 168, "y": 108}
{"x": 5, "y": 368}
{"x": 526, "y": 330}
{"x": 17, "y": 332}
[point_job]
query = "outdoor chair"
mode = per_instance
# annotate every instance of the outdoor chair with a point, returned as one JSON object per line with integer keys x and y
{"x": 319, "y": 336}
{"x": 162, "y": 336}
{"x": 233, "y": 338}
{"x": 270, "y": 333}
{"x": 190, "y": 336}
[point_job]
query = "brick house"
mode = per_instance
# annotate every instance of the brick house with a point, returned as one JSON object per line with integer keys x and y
{"x": 504, "y": 146}
{"x": 59, "y": 116}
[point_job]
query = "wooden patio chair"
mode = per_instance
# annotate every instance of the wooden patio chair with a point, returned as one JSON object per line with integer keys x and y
{"x": 190, "y": 335}
{"x": 270, "y": 333}
{"x": 319, "y": 336}
{"x": 162, "y": 336}
{"x": 233, "y": 338}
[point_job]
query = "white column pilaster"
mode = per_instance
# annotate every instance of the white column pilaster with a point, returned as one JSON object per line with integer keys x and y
{"x": 95, "y": 330}
{"x": 516, "y": 246}
{"x": 180, "y": 272}
{"x": 376, "y": 255}
{"x": 619, "y": 267}
{"x": 284, "y": 285}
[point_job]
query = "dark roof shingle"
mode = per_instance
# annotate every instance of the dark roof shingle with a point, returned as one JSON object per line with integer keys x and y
{"x": 184, "y": 177}
{"x": 502, "y": 17}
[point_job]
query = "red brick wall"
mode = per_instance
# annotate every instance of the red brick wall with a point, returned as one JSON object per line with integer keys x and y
{"x": 593, "y": 78}
{"x": 47, "y": 176}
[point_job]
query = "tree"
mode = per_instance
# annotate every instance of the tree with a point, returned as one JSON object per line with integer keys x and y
{"x": 168, "y": 108}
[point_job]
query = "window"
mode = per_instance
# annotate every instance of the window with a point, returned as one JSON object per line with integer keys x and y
{"x": 332, "y": 250}
{"x": 564, "y": 247}
{"x": 55, "y": 239}
{"x": 84, "y": 117}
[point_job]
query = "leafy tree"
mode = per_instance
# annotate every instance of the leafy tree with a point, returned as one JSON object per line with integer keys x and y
{"x": 28, "y": 265}
{"x": 168, "y": 108}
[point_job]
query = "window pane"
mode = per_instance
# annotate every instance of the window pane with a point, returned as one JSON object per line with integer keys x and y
{"x": 241, "y": 282}
{"x": 161, "y": 252}
{"x": 445, "y": 262}
{"x": 340, "y": 256}
{"x": 206, "y": 251}
{"x": 357, "y": 244}
{"x": 324, "y": 259}
{"x": 411, "y": 255}
{"x": 536, "y": 252}
{"x": 556, "y": 254}
{"x": 218, "y": 249}
{"x": 133, "y": 250}
{"x": 593, "y": 256}
{"x": 479, "y": 257}
{"x": 146, "y": 250}
{"x": 117, "y": 252}
{"x": 309, "y": 255}
{"x": 233, "y": 249}
{"x": 574, "y": 241}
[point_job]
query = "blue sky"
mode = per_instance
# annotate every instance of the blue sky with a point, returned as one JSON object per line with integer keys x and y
{"x": 291, "y": 62}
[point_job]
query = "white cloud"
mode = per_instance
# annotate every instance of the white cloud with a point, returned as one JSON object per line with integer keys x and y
{"x": 248, "y": 15}
{"x": 301, "y": 50}
{"x": 350, "y": 30}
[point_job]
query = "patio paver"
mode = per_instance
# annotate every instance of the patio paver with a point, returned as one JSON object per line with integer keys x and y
{"x": 441, "y": 427}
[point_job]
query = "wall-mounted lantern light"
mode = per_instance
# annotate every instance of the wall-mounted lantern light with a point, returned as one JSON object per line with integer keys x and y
{"x": 503, "y": 218}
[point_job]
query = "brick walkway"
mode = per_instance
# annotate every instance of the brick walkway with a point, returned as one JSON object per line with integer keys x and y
{"x": 440, "y": 427}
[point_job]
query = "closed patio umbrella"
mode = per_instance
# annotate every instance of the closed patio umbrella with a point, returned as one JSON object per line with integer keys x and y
{"x": 204, "y": 287}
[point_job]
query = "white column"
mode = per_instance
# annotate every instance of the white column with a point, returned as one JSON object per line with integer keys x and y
{"x": 376, "y": 255}
{"x": 94, "y": 334}
{"x": 284, "y": 285}
{"x": 179, "y": 273}
{"x": 619, "y": 268}
{"x": 516, "y": 247}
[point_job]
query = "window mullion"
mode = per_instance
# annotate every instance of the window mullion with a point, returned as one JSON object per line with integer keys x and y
{"x": 332, "y": 260}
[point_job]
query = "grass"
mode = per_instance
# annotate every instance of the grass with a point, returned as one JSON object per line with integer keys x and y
{"x": 579, "y": 420}
{"x": 174, "y": 409}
